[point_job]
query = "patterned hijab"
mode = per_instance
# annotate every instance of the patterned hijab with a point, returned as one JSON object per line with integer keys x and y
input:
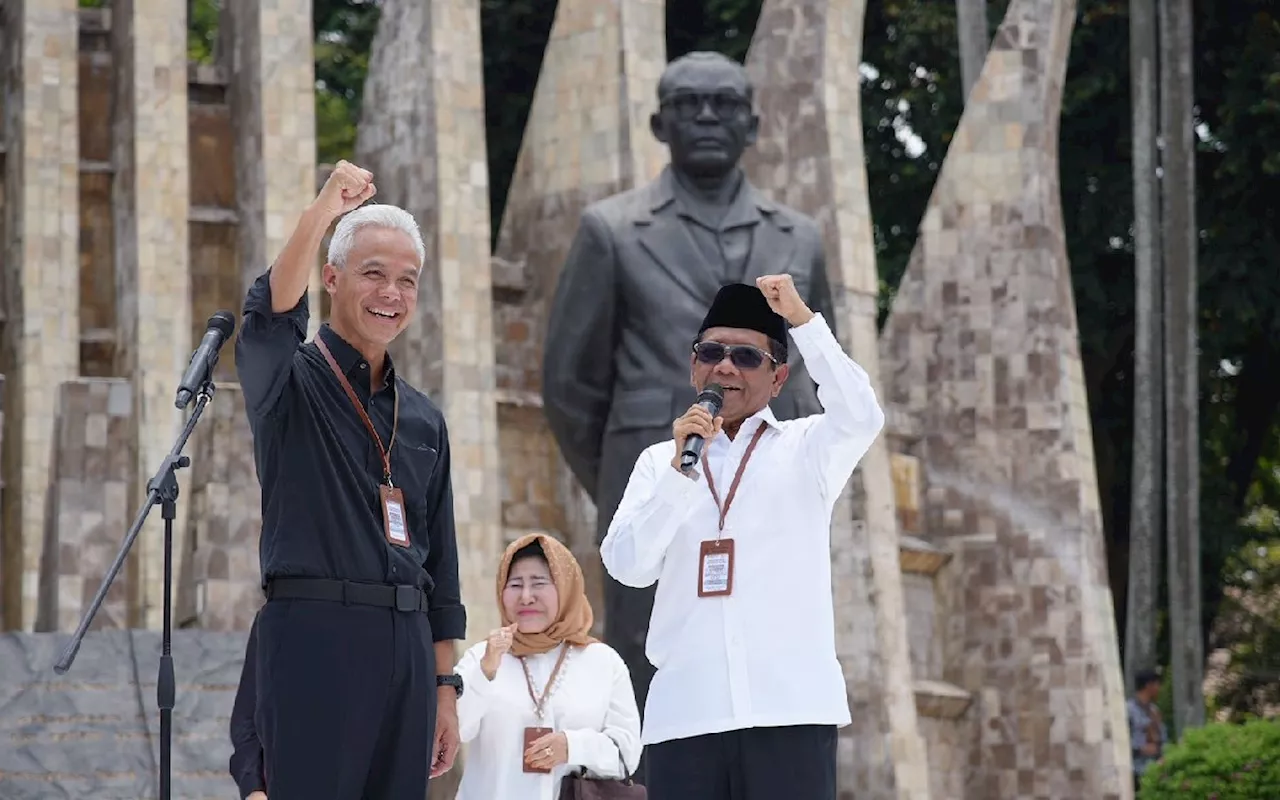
{"x": 573, "y": 624}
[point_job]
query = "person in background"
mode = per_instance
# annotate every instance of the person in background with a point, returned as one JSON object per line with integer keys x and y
{"x": 246, "y": 747}
{"x": 748, "y": 693}
{"x": 543, "y": 697}
{"x": 1147, "y": 732}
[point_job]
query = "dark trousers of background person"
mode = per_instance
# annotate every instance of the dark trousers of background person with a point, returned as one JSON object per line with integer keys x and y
{"x": 346, "y": 701}
{"x": 784, "y": 763}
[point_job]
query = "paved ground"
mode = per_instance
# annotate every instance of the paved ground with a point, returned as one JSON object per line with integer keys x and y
{"x": 94, "y": 732}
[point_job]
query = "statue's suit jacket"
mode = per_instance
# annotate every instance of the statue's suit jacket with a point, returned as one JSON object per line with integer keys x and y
{"x": 626, "y": 311}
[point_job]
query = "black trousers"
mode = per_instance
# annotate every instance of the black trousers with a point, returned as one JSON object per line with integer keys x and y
{"x": 346, "y": 701}
{"x": 785, "y": 763}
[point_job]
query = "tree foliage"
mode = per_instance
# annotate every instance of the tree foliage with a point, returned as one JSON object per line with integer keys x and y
{"x": 1226, "y": 762}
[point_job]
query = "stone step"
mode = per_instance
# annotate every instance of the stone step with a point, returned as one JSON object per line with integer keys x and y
{"x": 940, "y": 700}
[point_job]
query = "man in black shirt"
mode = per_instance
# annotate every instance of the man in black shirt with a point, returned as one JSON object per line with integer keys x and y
{"x": 356, "y": 696}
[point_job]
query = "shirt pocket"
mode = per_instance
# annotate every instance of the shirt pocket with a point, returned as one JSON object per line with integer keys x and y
{"x": 413, "y": 462}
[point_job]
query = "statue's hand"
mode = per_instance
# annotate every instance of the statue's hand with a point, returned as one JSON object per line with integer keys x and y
{"x": 780, "y": 292}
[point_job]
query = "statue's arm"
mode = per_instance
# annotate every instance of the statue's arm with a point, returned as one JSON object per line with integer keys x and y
{"x": 577, "y": 365}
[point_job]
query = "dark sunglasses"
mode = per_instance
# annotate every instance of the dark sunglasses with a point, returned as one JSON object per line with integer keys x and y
{"x": 743, "y": 356}
{"x": 688, "y": 105}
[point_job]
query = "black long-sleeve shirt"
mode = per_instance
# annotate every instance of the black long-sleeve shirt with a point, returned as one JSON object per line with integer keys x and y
{"x": 320, "y": 469}
{"x": 246, "y": 747}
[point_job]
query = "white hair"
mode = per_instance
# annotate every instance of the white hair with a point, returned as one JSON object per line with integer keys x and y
{"x": 376, "y": 216}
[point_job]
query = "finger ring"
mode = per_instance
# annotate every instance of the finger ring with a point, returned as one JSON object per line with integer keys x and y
{"x": 546, "y": 751}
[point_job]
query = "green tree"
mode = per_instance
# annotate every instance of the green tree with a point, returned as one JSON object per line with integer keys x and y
{"x": 514, "y": 36}
{"x": 344, "y": 32}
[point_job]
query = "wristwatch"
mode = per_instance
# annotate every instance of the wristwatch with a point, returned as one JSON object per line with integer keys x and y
{"x": 454, "y": 680}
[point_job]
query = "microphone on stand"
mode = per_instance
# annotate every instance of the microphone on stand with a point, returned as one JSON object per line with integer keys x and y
{"x": 712, "y": 399}
{"x": 205, "y": 358}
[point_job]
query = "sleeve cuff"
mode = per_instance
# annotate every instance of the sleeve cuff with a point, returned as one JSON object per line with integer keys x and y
{"x": 475, "y": 686}
{"x": 813, "y": 331}
{"x": 250, "y": 783}
{"x": 672, "y": 487}
{"x": 574, "y": 739}
{"x": 258, "y": 300}
{"x": 447, "y": 622}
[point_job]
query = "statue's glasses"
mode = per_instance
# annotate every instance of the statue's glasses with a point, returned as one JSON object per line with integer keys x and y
{"x": 688, "y": 105}
{"x": 743, "y": 356}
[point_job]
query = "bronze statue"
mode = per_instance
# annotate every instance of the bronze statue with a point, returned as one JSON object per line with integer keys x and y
{"x": 642, "y": 271}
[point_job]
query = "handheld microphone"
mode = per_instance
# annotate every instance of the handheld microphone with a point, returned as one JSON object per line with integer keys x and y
{"x": 712, "y": 399}
{"x": 205, "y": 358}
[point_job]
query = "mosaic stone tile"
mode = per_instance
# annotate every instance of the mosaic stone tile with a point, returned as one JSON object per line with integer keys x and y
{"x": 272, "y": 98}
{"x": 91, "y": 506}
{"x": 219, "y": 586}
{"x": 440, "y": 175}
{"x": 42, "y": 270}
{"x": 808, "y": 100}
{"x": 587, "y": 138}
{"x": 981, "y": 351}
{"x": 153, "y": 283}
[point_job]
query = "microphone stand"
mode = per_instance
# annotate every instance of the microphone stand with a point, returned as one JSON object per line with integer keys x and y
{"x": 162, "y": 490}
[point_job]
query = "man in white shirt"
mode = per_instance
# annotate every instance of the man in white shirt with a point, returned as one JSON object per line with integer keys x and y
{"x": 748, "y": 692}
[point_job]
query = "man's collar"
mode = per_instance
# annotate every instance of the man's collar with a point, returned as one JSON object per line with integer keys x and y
{"x": 762, "y": 417}
{"x": 349, "y": 358}
{"x": 663, "y": 194}
{"x": 766, "y": 417}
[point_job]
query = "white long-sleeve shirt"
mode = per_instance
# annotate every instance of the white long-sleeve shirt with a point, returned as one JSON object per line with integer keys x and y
{"x": 593, "y": 704}
{"x": 764, "y": 655}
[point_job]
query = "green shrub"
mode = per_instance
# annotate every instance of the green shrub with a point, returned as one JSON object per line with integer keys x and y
{"x": 1219, "y": 762}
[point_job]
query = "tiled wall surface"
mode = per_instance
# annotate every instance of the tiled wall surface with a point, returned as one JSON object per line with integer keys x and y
{"x": 161, "y": 245}
{"x": 153, "y": 281}
{"x": 220, "y": 585}
{"x": 587, "y": 138}
{"x": 271, "y": 74}
{"x": 982, "y": 348}
{"x": 808, "y": 99}
{"x": 440, "y": 174}
{"x": 92, "y": 506}
{"x": 41, "y": 270}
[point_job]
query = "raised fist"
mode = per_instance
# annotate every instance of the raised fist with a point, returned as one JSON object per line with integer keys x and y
{"x": 780, "y": 292}
{"x": 495, "y": 647}
{"x": 347, "y": 188}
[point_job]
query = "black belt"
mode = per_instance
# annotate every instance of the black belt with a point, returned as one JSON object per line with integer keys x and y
{"x": 401, "y": 597}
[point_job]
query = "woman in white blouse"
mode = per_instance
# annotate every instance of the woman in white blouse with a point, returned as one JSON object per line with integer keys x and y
{"x": 542, "y": 698}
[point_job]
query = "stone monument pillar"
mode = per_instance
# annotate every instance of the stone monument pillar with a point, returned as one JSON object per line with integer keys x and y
{"x": 41, "y": 272}
{"x": 423, "y": 137}
{"x": 150, "y": 203}
{"x": 809, "y": 156}
{"x": 982, "y": 347}
{"x": 272, "y": 97}
{"x": 587, "y": 138}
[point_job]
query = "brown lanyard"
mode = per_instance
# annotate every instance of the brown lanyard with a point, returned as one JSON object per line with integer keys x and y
{"x": 539, "y": 703}
{"x": 364, "y": 415}
{"x": 737, "y": 478}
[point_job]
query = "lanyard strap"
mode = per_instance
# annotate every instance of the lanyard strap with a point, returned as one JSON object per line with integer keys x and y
{"x": 385, "y": 452}
{"x": 540, "y": 702}
{"x": 737, "y": 478}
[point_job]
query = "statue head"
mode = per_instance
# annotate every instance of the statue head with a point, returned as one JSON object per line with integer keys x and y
{"x": 704, "y": 115}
